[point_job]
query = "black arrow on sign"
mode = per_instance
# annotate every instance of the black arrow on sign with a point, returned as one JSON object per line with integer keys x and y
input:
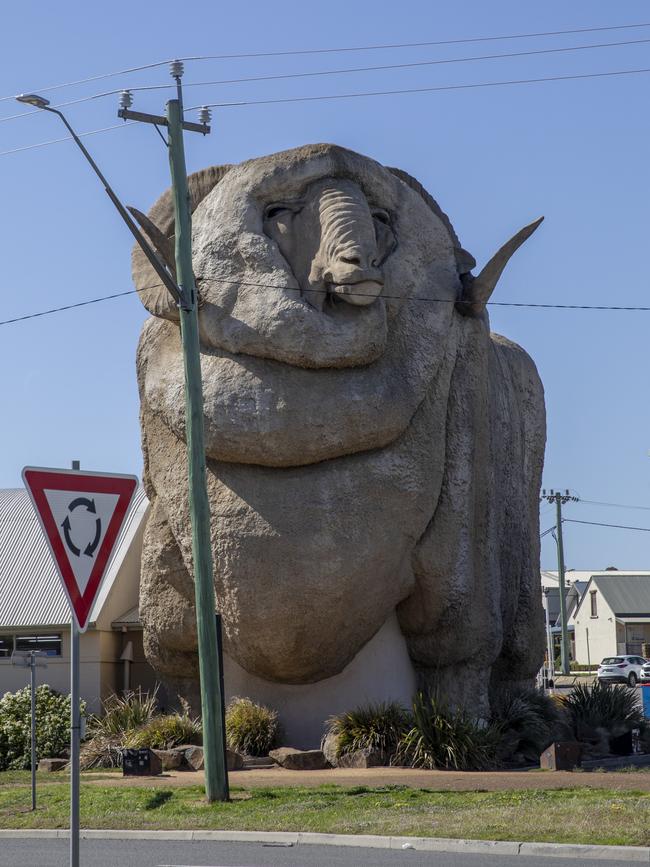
{"x": 66, "y": 532}
{"x": 91, "y": 546}
{"x": 83, "y": 501}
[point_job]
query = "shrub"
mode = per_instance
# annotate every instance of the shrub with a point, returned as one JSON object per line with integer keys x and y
{"x": 109, "y": 732}
{"x": 167, "y": 731}
{"x": 599, "y": 709}
{"x": 370, "y": 727}
{"x": 441, "y": 738}
{"x": 52, "y": 726}
{"x": 251, "y": 728}
{"x": 527, "y": 721}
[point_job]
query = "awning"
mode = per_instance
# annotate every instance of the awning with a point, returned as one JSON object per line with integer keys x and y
{"x": 630, "y": 620}
{"x": 130, "y": 618}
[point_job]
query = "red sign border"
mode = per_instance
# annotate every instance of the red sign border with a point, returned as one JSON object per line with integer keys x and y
{"x": 37, "y": 480}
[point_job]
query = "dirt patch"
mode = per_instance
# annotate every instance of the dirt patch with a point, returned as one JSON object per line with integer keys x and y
{"x": 457, "y": 781}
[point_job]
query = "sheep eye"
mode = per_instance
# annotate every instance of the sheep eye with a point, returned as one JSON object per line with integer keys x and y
{"x": 276, "y": 209}
{"x": 381, "y": 216}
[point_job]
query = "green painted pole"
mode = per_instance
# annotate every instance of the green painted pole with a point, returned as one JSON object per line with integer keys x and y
{"x": 216, "y": 777}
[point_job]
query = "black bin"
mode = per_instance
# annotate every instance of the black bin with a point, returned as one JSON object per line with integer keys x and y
{"x": 140, "y": 763}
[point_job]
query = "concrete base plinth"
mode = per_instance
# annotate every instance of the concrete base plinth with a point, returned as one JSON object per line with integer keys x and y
{"x": 382, "y": 671}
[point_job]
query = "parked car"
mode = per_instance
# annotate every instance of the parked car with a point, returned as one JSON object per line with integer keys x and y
{"x": 621, "y": 669}
{"x": 645, "y": 673}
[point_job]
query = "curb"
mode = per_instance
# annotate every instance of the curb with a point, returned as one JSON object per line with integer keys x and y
{"x": 636, "y": 854}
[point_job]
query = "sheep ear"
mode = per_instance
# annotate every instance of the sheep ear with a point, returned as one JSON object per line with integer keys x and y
{"x": 159, "y": 227}
{"x": 477, "y": 290}
{"x": 163, "y": 245}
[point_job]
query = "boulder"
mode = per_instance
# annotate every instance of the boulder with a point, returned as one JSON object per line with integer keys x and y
{"x": 171, "y": 759}
{"x": 299, "y": 760}
{"x": 363, "y": 759}
{"x": 194, "y": 758}
{"x": 49, "y": 765}
{"x": 234, "y": 760}
{"x": 329, "y": 746}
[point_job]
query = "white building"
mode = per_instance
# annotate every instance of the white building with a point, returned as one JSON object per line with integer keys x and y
{"x": 34, "y": 613}
{"x": 613, "y": 616}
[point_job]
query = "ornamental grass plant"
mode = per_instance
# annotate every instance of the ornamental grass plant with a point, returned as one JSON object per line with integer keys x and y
{"x": 372, "y": 727}
{"x": 528, "y": 721}
{"x": 446, "y": 739}
{"x": 166, "y": 731}
{"x": 599, "y": 713}
{"x": 251, "y": 729}
{"x": 109, "y": 732}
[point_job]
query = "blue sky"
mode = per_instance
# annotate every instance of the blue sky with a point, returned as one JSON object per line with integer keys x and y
{"x": 575, "y": 151}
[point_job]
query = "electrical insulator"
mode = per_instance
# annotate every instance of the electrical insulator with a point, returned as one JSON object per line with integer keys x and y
{"x": 126, "y": 99}
{"x": 205, "y": 115}
{"x": 176, "y": 68}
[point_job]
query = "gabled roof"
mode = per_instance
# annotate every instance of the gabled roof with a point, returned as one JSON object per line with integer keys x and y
{"x": 626, "y": 594}
{"x": 30, "y": 590}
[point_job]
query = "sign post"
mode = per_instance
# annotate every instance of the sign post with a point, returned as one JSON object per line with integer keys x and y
{"x": 30, "y": 659}
{"x": 81, "y": 515}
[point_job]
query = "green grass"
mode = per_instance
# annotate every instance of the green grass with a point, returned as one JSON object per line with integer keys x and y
{"x": 576, "y": 815}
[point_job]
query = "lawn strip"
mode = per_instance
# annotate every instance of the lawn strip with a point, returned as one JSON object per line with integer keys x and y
{"x": 577, "y": 815}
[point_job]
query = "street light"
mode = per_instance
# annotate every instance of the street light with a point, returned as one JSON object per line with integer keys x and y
{"x": 34, "y": 99}
{"x": 185, "y": 296}
{"x": 167, "y": 280}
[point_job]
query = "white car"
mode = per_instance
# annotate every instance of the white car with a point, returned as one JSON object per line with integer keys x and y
{"x": 645, "y": 673}
{"x": 621, "y": 669}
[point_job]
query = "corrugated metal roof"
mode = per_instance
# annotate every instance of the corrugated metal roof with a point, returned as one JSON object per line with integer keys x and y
{"x": 30, "y": 590}
{"x": 625, "y": 594}
{"x": 129, "y": 618}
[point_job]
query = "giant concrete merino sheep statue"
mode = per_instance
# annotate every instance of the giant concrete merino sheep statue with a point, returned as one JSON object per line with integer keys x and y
{"x": 372, "y": 449}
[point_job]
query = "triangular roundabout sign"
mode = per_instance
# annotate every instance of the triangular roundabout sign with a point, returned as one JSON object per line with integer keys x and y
{"x": 81, "y": 514}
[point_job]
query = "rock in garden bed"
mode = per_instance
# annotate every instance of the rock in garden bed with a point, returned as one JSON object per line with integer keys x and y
{"x": 299, "y": 760}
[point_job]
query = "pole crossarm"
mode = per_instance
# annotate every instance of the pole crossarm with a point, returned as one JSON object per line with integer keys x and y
{"x": 159, "y": 120}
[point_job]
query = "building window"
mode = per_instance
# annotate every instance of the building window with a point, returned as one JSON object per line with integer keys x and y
{"x": 50, "y": 645}
{"x": 594, "y": 602}
{"x": 6, "y": 646}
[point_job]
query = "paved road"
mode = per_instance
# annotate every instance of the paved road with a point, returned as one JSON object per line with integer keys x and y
{"x": 146, "y": 853}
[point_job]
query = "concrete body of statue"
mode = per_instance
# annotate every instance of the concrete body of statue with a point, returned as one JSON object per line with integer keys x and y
{"x": 371, "y": 447}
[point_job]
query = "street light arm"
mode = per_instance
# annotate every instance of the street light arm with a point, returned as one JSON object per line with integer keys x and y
{"x": 149, "y": 252}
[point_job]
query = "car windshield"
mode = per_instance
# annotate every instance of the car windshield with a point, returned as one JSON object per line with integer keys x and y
{"x": 612, "y": 660}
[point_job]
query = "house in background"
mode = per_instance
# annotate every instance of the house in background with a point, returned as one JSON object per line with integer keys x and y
{"x": 576, "y": 584}
{"x": 613, "y": 616}
{"x": 34, "y": 613}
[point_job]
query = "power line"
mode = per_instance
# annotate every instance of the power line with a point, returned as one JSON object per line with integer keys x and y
{"x": 616, "y": 526}
{"x": 414, "y": 44}
{"x": 320, "y": 73}
{"x": 362, "y": 94}
{"x": 52, "y": 141}
{"x": 318, "y": 291}
{"x": 70, "y": 306}
{"x": 423, "y": 89}
{"x": 104, "y": 75}
{"x": 340, "y": 49}
{"x": 615, "y": 505}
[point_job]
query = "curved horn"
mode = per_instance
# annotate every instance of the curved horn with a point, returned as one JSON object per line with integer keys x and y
{"x": 477, "y": 290}
{"x": 159, "y": 226}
